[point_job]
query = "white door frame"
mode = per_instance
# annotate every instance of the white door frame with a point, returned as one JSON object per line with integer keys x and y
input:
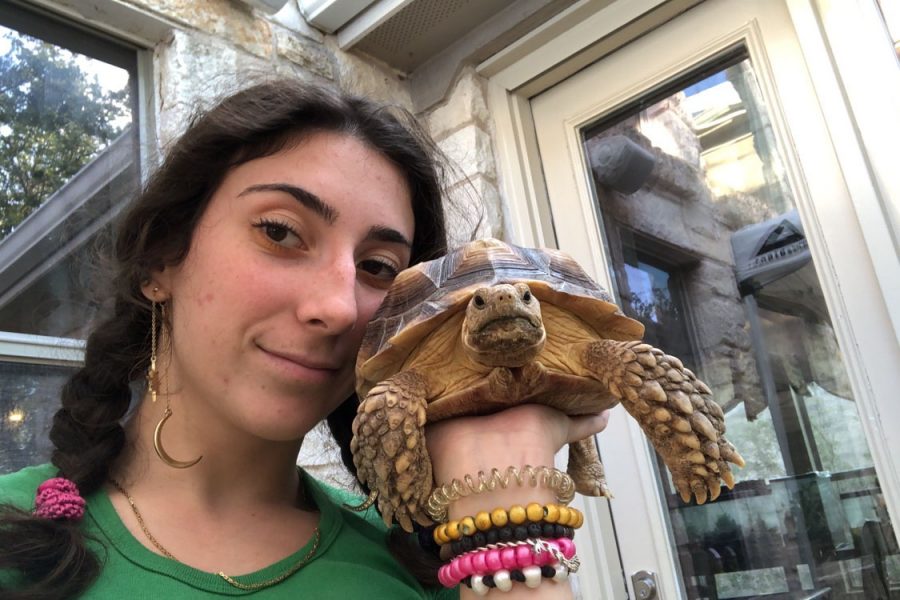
{"x": 861, "y": 279}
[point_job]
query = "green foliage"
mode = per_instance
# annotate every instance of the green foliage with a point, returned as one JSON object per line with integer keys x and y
{"x": 54, "y": 118}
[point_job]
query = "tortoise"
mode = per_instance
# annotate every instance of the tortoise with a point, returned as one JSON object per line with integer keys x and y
{"x": 491, "y": 325}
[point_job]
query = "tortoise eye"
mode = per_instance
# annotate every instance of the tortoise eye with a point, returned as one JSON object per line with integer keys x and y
{"x": 526, "y": 296}
{"x": 478, "y": 301}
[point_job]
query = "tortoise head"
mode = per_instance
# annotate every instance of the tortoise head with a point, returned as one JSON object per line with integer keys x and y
{"x": 503, "y": 326}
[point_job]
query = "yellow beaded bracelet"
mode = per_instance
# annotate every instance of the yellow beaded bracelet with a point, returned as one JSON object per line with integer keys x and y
{"x": 516, "y": 515}
{"x": 548, "y": 477}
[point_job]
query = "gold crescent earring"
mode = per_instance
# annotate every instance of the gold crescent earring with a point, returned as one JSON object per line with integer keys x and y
{"x": 153, "y": 385}
{"x": 161, "y": 452}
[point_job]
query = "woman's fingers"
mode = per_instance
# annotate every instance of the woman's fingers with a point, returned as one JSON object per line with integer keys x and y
{"x": 532, "y": 427}
{"x": 587, "y": 425}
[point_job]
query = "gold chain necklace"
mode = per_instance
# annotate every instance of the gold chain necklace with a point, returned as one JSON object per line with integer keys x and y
{"x": 230, "y": 580}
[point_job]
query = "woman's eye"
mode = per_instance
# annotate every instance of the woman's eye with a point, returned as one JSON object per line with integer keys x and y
{"x": 278, "y": 233}
{"x": 380, "y": 269}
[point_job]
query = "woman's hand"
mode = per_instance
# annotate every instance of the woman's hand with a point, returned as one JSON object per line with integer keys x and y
{"x": 526, "y": 434}
{"x": 529, "y": 434}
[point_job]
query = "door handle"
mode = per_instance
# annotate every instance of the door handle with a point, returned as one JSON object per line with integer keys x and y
{"x": 645, "y": 587}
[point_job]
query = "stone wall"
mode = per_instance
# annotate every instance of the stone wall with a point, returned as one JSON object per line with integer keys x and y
{"x": 461, "y": 126}
{"x": 217, "y": 46}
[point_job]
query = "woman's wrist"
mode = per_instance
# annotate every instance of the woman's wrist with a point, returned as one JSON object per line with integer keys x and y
{"x": 459, "y": 450}
{"x": 496, "y": 454}
{"x": 496, "y": 451}
{"x": 519, "y": 437}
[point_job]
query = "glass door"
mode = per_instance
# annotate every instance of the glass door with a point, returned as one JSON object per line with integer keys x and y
{"x": 695, "y": 211}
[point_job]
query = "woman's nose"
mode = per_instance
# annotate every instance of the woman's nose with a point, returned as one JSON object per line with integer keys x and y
{"x": 328, "y": 299}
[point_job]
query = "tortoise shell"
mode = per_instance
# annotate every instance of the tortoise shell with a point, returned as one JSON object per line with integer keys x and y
{"x": 426, "y": 295}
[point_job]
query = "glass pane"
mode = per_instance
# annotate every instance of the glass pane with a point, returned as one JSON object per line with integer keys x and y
{"x": 68, "y": 162}
{"x": 709, "y": 252}
{"x": 29, "y": 397}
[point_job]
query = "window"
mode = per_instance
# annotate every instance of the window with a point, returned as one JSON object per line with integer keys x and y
{"x": 710, "y": 254}
{"x": 69, "y": 159}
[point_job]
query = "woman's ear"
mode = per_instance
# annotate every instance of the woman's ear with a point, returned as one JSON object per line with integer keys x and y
{"x": 155, "y": 288}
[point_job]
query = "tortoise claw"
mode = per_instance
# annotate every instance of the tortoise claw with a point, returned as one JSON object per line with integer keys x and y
{"x": 699, "y": 488}
{"x": 714, "y": 490}
{"x": 728, "y": 478}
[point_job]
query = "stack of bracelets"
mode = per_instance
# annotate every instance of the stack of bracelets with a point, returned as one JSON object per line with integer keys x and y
{"x": 527, "y": 544}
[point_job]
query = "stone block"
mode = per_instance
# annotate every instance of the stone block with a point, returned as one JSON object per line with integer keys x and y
{"x": 717, "y": 374}
{"x": 719, "y": 320}
{"x": 196, "y": 70}
{"x": 466, "y": 104}
{"x": 231, "y": 21}
{"x": 735, "y": 210}
{"x": 710, "y": 279}
{"x": 670, "y": 128}
{"x": 677, "y": 177}
{"x": 473, "y": 210}
{"x": 470, "y": 153}
{"x": 365, "y": 77}
{"x": 309, "y": 55}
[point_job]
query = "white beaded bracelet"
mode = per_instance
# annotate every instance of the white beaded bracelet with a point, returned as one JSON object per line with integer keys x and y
{"x": 503, "y": 580}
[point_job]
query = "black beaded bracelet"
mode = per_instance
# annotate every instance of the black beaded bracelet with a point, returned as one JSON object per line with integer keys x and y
{"x": 509, "y": 533}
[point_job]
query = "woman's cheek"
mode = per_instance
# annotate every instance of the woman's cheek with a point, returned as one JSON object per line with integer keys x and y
{"x": 370, "y": 306}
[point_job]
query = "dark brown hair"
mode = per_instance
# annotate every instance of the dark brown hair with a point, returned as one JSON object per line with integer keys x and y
{"x": 156, "y": 231}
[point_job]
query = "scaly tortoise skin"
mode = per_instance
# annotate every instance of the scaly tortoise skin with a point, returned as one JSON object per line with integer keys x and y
{"x": 492, "y": 325}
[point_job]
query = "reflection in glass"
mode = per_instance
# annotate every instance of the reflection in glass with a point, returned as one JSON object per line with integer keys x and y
{"x": 68, "y": 163}
{"x": 59, "y": 110}
{"x": 29, "y": 397}
{"x": 711, "y": 255}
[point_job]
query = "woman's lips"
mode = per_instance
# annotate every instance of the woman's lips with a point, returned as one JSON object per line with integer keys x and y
{"x": 300, "y": 367}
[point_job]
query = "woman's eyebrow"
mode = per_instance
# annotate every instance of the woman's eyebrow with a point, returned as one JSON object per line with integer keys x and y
{"x": 382, "y": 233}
{"x": 328, "y": 213}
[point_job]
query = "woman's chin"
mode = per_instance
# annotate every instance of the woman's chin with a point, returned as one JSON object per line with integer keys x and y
{"x": 286, "y": 424}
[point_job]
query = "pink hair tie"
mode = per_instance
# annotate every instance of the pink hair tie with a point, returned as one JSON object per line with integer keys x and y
{"x": 58, "y": 498}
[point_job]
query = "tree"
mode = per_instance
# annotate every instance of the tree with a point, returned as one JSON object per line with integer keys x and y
{"x": 54, "y": 118}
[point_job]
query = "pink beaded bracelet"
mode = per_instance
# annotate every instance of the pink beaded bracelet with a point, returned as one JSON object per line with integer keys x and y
{"x": 519, "y": 556}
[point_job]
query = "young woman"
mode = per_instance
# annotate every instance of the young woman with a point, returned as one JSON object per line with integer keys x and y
{"x": 247, "y": 271}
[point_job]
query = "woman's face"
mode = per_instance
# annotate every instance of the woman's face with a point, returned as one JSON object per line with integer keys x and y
{"x": 287, "y": 265}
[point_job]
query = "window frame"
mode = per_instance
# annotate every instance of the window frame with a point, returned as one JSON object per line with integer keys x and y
{"x": 40, "y": 349}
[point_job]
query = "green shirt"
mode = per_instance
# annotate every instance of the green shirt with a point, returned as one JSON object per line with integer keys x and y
{"x": 352, "y": 560}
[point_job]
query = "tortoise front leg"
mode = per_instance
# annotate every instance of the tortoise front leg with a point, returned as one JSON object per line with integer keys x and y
{"x": 673, "y": 407}
{"x": 389, "y": 450}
